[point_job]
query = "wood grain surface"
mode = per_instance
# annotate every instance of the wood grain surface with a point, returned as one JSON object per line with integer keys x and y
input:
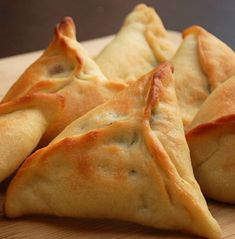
{"x": 39, "y": 227}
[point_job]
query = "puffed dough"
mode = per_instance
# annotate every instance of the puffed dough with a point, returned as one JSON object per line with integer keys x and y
{"x": 126, "y": 159}
{"x": 211, "y": 139}
{"x": 201, "y": 63}
{"x": 66, "y": 81}
{"x": 140, "y": 45}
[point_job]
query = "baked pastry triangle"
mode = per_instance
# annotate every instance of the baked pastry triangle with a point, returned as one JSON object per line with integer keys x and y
{"x": 140, "y": 45}
{"x": 126, "y": 159}
{"x": 65, "y": 71}
{"x": 201, "y": 63}
{"x": 22, "y": 124}
{"x": 211, "y": 139}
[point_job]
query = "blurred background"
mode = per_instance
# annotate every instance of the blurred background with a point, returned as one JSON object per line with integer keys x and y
{"x": 27, "y": 25}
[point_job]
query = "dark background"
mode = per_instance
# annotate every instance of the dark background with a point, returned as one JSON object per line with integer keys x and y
{"x": 26, "y": 25}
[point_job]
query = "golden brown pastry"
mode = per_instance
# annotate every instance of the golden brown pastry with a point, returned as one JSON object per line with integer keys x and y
{"x": 126, "y": 159}
{"x": 201, "y": 63}
{"x": 211, "y": 139}
{"x": 140, "y": 45}
{"x": 22, "y": 124}
{"x": 64, "y": 71}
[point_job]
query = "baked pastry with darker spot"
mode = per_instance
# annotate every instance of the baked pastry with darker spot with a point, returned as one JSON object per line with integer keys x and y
{"x": 63, "y": 84}
{"x": 141, "y": 44}
{"x": 126, "y": 159}
{"x": 211, "y": 140}
{"x": 201, "y": 63}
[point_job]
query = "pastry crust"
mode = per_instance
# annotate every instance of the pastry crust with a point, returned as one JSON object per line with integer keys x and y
{"x": 140, "y": 45}
{"x": 190, "y": 81}
{"x": 22, "y": 123}
{"x": 52, "y": 70}
{"x": 201, "y": 63}
{"x": 211, "y": 139}
{"x": 126, "y": 159}
{"x": 65, "y": 71}
{"x": 217, "y": 59}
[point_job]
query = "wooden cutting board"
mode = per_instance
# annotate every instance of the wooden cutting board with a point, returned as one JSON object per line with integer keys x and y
{"x": 38, "y": 227}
